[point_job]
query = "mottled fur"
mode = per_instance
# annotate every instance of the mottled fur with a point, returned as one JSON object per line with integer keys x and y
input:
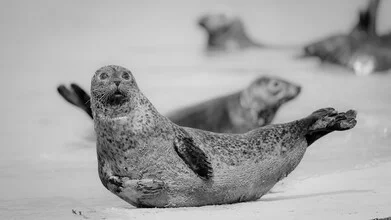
{"x": 142, "y": 155}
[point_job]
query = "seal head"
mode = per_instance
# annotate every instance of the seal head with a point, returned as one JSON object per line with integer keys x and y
{"x": 216, "y": 22}
{"x": 225, "y": 31}
{"x": 239, "y": 112}
{"x": 262, "y": 99}
{"x": 269, "y": 91}
{"x": 113, "y": 91}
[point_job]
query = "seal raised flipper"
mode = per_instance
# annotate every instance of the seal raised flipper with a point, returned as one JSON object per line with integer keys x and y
{"x": 68, "y": 95}
{"x": 367, "y": 20}
{"x": 327, "y": 120}
{"x": 77, "y": 96}
{"x": 192, "y": 155}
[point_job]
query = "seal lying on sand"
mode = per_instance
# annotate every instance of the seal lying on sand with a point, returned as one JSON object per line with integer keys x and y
{"x": 372, "y": 53}
{"x": 362, "y": 50}
{"x": 226, "y": 31}
{"x": 330, "y": 48}
{"x": 364, "y": 57}
{"x": 239, "y": 112}
{"x": 148, "y": 161}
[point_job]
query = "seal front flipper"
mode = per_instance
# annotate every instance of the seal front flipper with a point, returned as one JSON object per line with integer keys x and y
{"x": 77, "y": 96}
{"x": 136, "y": 192}
{"x": 192, "y": 155}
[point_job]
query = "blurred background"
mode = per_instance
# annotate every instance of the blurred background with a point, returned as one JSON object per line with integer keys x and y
{"x": 47, "y": 155}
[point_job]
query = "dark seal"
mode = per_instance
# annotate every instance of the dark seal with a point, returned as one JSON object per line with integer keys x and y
{"x": 362, "y": 50}
{"x": 253, "y": 107}
{"x": 226, "y": 32}
{"x": 148, "y": 161}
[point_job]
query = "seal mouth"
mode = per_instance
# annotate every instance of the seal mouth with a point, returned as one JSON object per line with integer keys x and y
{"x": 117, "y": 98}
{"x": 202, "y": 22}
{"x": 118, "y": 94}
{"x": 293, "y": 94}
{"x": 297, "y": 92}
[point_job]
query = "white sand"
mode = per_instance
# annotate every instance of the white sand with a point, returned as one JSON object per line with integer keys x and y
{"x": 47, "y": 155}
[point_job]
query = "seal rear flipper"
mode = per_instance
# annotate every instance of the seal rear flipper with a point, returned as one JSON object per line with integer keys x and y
{"x": 193, "y": 156}
{"x": 76, "y": 97}
{"x": 328, "y": 120}
{"x": 84, "y": 98}
{"x": 68, "y": 95}
{"x": 367, "y": 19}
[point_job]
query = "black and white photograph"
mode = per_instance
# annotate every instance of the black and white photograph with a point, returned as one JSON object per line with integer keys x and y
{"x": 195, "y": 109}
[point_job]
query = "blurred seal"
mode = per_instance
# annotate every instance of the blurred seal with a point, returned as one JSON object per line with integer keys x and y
{"x": 253, "y": 107}
{"x": 362, "y": 50}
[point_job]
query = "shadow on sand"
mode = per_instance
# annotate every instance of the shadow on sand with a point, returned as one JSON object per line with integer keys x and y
{"x": 313, "y": 195}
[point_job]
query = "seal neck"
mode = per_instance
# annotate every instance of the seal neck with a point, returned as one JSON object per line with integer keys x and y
{"x": 136, "y": 117}
{"x": 136, "y": 105}
{"x": 260, "y": 112}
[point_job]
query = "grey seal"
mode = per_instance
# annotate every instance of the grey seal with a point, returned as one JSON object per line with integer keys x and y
{"x": 338, "y": 46}
{"x": 148, "y": 161}
{"x": 242, "y": 111}
{"x": 362, "y": 50}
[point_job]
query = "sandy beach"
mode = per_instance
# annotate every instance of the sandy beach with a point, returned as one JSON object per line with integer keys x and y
{"x": 48, "y": 166}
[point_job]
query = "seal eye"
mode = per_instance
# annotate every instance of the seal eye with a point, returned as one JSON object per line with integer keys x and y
{"x": 103, "y": 76}
{"x": 275, "y": 87}
{"x": 125, "y": 76}
{"x": 275, "y": 84}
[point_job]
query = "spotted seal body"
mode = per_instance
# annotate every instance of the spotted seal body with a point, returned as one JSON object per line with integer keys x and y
{"x": 253, "y": 107}
{"x": 148, "y": 161}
